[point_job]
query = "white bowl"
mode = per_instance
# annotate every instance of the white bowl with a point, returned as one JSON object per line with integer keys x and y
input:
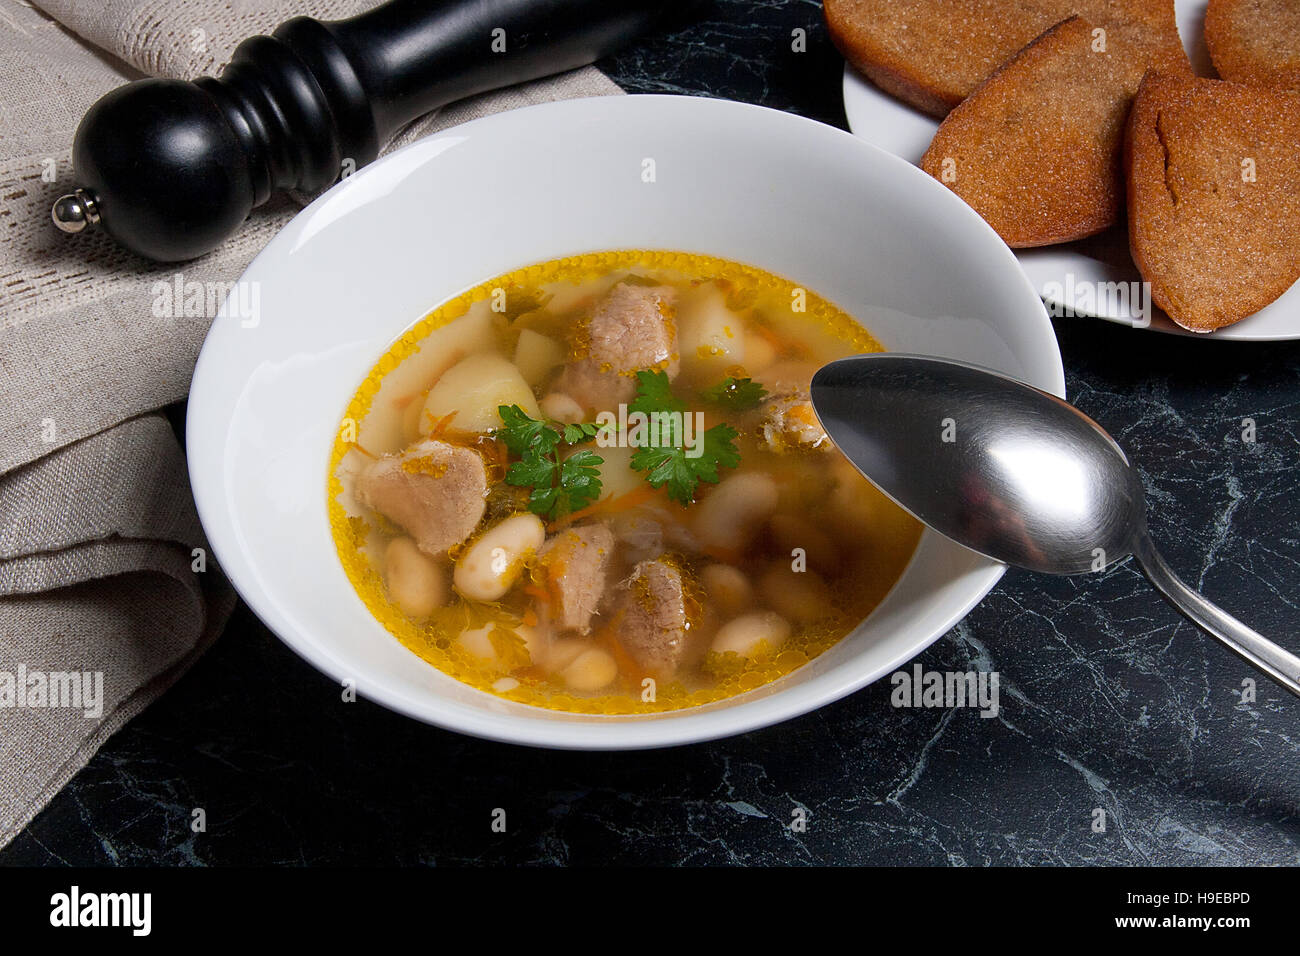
{"x": 373, "y": 255}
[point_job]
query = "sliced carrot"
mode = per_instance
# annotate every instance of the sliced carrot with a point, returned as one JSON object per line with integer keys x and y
{"x": 623, "y": 502}
{"x": 541, "y": 594}
{"x": 441, "y": 425}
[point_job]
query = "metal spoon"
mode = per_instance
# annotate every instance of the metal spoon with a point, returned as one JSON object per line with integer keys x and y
{"x": 1011, "y": 472}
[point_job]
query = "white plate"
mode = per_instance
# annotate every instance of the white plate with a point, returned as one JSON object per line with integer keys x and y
{"x": 1063, "y": 273}
{"x": 373, "y": 255}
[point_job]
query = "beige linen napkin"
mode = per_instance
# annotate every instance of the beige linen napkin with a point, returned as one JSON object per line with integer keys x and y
{"x": 106, "y": 591}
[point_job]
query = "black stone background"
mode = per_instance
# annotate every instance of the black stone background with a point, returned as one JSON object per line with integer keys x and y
{"x": 1108, "y": 699}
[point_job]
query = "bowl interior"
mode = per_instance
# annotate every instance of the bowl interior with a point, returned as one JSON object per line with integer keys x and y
{"x": 376, "y": 253}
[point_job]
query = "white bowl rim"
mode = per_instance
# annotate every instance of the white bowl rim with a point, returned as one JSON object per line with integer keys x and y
{"x": 665, "y": 729}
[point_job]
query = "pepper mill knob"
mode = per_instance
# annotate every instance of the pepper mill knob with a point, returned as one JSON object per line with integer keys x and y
{"x": 170, "y": 168}
{"x": 74, "y": 211}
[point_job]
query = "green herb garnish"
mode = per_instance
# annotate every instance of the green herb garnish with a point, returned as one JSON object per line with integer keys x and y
{"x": 559, "y": 485}
{"x": 654, "y": 393}
{"x": 736, "y": 394}
{"x": 673, "y": 465}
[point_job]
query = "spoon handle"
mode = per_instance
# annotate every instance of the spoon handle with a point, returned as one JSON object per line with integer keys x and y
{"x": 1274, "y": 660}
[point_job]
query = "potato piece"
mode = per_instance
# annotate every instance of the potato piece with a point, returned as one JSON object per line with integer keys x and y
{"x": 616, "y": 474}
{"x": 536, "y": 355}
{"x": 759, "y": 353}
{"x": 472, "y": 389}
{"x": 412, "y": 415}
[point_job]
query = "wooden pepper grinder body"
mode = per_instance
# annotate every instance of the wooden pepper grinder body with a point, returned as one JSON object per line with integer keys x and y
{"x": 170, "y": 168}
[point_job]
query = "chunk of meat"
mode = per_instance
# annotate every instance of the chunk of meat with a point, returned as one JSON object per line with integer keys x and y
{"x": 787, "y": 419}
{"x": 651, "y": 617}
{"x": 575, "y": 562}
{"x": 789, "y": 423}
{"x": 631, "y": 329}
{"x": 436, "y": 492}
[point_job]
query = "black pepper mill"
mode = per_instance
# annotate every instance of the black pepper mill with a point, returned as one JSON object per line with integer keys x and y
{"x": 170, "y": 168}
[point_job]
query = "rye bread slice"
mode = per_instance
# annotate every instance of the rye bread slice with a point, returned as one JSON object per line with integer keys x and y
{"x": 1214, "y": 207}
{"x": 1255, "y": 41}
{"x": 1037, "y": 149}
{"x": 934, "y": 53}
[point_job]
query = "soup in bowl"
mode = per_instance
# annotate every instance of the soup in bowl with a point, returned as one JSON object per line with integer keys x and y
{"x": 598, "y": 484}
{"x": 443, "y": 276}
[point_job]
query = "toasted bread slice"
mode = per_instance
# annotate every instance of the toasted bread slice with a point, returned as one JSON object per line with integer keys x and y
{"x": 1214, "y": 212}
{"x": 933, "y": 53}
{"x": 1037, "y": 149}
{"x": 1255, "y": 41}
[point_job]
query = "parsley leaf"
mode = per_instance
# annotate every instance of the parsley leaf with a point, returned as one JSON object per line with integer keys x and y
{"x": 671, "y": 465}
{"x": 559, "y": 486}
{"x": 736, "y": 394}
{"x": 532, "y": 470}
{"x": 654, "y": 393}
{"x": 580, "y": 479}
{"x": 577, "y": 434}
{"x": 520, "y": 433}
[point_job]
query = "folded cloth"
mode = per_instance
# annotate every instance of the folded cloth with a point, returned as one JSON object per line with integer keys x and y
{"x": 107, "y": 593}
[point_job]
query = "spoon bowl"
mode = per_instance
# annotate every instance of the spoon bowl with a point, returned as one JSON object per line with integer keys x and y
{"x": 1011, "y": 472}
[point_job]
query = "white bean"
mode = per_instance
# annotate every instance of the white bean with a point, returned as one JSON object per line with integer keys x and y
{"x": 417, "y": 584}
{"x": 787, "y": 375}
{"x": 710, "y": 335}
{"x": 728, "y": 588}
{"x": 790, "y": 532}
{"x": 591, "y": 670}
{"x": 733, "y": 512}
{"x": 800, "y": 595}
{"x": 854, "y": 504}
{"x": 478, "y": 641}
{"x": 561, "y": 408}
{"x": 744, "y": 634}
{"x": 565, "y": 651}
{"x": 491, "y": 565}
{"x": 534, "y": 639}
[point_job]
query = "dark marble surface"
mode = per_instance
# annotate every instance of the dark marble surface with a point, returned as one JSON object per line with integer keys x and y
{"x": 1108, "y": 699}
